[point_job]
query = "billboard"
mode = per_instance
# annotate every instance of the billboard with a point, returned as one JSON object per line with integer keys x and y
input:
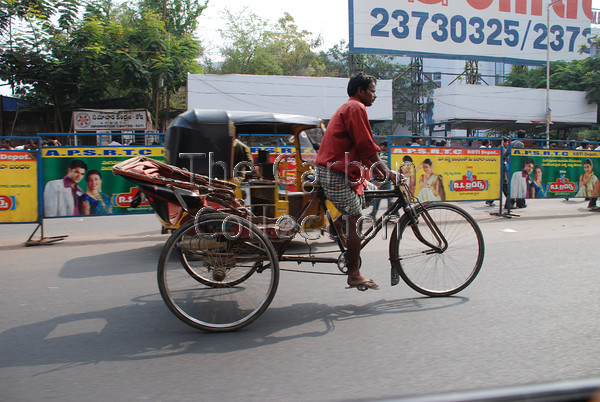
{"x": 449, "y": 174}
{"x": 554, "y": 173}
{"x": 18, "y": 186}
{"x": 79, "y": 180}
{"x": 509, "y": 31}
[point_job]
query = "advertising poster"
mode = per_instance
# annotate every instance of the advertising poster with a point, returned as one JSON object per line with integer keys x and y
{"x": 517, "y": 32}
{"x": 449, "y": 174}
{"x": 286, "y": 163}
{"x": 18, "y": 187}
{"x": 545, "y": 173}
{"x": 79, "y": 181}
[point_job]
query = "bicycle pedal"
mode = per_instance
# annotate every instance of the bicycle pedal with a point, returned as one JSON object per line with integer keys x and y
{"x": 395, "y": 278}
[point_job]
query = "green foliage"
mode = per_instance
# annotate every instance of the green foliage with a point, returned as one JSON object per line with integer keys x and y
{"x": 254, "y": 46}
{"x": 109, "y": 52}
{"x": 576, "y": 75}
{"x": 180, "y": 16}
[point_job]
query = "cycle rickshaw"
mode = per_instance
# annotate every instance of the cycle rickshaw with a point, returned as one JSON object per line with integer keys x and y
{"x": 220, "y": 269}
{"x": 203, "y": 141}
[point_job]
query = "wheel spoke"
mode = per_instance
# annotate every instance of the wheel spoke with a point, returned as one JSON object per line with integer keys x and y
{"x": 214, "y": 281}
{"x": 439, "y": 271}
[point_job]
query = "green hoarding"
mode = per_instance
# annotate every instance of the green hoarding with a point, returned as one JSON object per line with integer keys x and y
{"x": 79, "y": 180}
{"x": 545, "y": 173}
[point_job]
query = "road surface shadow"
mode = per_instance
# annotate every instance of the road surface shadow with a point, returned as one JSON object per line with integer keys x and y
{"x": 133, "y": 261}
{"x": 147, "y": 330}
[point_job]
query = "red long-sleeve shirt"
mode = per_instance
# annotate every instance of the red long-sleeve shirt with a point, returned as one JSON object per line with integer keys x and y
{"x": 349, "y": 131}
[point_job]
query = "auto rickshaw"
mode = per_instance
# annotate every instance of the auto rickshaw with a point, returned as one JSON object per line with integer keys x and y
{"x": 201, "y": 141}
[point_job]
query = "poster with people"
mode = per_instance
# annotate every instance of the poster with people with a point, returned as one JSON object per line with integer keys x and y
{"x": 554, "y": 173}
{"x": 449, "y": 174}
{"x": 78, "y": 181}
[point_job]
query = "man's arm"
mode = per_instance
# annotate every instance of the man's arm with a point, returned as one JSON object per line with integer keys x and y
{"x": 380, "y": 169}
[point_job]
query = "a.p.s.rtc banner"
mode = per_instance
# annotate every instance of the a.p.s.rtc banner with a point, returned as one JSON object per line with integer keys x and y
{"x": 449, "y": 174}
{"x": 510, "y": 31}
{"x": 549, "y": 173}
{"x": 79, "y": 180}
{"x": 18, "y": 187}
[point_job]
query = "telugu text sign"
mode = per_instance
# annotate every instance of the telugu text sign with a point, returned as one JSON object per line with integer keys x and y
{"x": 512, "y": 31}
{"x": 18, "y": 187}
{"x": 92, "y": 120}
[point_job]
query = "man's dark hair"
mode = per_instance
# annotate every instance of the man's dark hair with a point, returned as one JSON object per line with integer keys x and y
{"x": 77, "y": 163}
{"x": 529, "y": 161}
{"x": 360, "y": 80}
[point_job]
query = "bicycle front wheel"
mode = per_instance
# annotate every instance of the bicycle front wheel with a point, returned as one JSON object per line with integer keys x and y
{"x": 218, "y": 273}
{"x": 438, "y": 253}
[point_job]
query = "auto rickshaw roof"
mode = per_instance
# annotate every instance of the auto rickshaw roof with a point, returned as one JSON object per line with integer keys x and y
{"x": 246, "y": 121}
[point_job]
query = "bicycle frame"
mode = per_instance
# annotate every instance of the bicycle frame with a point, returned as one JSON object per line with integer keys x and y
{"x": 401, "y": 202}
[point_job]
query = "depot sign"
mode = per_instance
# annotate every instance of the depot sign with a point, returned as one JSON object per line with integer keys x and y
{"x": 16, "y": 156}
{"x": 510, "y": 31}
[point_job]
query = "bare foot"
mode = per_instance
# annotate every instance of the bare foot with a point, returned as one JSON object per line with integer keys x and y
{"x": 357, "y": 279}
{"x": 364, "y": 285}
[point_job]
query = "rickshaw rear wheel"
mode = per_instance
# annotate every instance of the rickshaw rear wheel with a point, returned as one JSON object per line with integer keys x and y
{"x": 214, "y": 269}
{"x": 218, "y": 273}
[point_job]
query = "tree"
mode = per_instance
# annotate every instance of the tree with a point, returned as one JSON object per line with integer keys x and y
{"x": 254, "y": 46}
{"x": 245, "y": 52}
{"x": 180, "y": 16}
{"x": 110, "y": 52}
{"x": 294, "y": 48}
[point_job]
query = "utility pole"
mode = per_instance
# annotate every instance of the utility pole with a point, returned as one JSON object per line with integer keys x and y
{"x": 548, "y": 110}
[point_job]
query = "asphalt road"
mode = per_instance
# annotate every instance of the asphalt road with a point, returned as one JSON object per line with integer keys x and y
{"x": 82, "y": 320}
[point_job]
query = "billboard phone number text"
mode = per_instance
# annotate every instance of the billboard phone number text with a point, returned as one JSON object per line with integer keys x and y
{"x": 494, "y": 32}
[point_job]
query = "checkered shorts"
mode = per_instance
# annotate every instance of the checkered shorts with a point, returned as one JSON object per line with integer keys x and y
{"x": 339, "y": 193}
